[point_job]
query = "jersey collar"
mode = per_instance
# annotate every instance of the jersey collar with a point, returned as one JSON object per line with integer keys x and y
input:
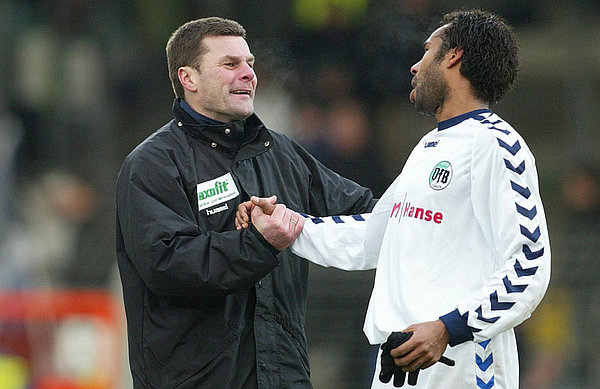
{"x": 476, "y": 114}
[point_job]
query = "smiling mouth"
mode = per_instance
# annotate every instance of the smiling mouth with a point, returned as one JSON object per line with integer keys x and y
{"x": 241, "y": 92}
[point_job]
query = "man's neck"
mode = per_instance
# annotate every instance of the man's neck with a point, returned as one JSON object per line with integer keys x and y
{"x": 446, "y": 114}
{"x": 201, "y": 119}
{"x": 461, "y": 97}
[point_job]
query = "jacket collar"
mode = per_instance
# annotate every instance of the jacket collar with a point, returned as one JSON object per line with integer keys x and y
{"x": 229, "y": 136}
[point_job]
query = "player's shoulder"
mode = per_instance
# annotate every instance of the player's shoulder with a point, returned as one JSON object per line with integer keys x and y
{"x": 490, "y": 127}
{"x": 494, "y": 134}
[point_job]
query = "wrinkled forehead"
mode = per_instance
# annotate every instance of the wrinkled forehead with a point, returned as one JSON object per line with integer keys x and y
{"x": 226, "y": 45}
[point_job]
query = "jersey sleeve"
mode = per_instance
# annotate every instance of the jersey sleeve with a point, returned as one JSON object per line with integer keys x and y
{"x": 509, "y": 211}
{"x": 346, "y": 242}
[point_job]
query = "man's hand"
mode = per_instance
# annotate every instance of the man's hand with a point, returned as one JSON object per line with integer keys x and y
{"x": 277, "y": 224}
{"x": 389, "y": 368}
{"x": 424, "y": 348}
{"x": 242, "y": 216}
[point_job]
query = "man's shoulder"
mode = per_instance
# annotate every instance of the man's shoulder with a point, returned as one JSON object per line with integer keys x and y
{"x": 286, "y": 144}
{"x": 279, "y": 136}
{"x": 155, "y": 145}
{"x": 491, "y": 123}
{"x": 486, "y": 128}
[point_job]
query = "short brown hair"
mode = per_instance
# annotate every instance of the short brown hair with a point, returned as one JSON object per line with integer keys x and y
{"x": 185, "y": 46}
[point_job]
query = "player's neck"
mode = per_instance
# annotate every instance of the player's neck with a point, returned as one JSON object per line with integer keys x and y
{"x": 459, "y": 105}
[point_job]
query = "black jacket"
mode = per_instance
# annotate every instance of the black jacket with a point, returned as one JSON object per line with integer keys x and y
{"x": 209, "y": 306}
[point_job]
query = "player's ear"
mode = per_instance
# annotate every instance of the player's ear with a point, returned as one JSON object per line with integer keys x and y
{"x": 187, "y": 77}
{"x": 455, "y": 56}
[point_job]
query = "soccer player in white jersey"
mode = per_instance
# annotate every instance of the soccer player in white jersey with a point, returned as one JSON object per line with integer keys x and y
{"x": 459, "y": 239}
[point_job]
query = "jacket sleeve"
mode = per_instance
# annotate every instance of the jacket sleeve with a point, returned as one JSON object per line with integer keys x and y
{"x": 508, "y": 208}
{"x": 346, "y": 242}
{"x": 329, "y": 193}
{"x": 165, "y": 244}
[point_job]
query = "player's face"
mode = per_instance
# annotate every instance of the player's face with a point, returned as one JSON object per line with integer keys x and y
{"x": 226, "y": 80}
{"x": 430, "y": 87}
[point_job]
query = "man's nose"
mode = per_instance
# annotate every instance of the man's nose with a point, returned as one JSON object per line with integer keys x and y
{"x": 415, "y": 68}
{"x": 247, "y": 72}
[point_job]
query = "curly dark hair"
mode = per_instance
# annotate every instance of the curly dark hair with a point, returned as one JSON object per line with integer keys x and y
{"x": 490, "y": 52}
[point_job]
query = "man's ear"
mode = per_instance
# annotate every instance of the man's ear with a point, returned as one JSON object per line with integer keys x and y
{"x": 186, "y": 75}
{"x": 455, "y": 56}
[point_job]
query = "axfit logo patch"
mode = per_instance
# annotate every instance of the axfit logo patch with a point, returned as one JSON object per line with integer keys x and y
{"x": 440, "y": 175}
{"x": 216, "y": 191}
{"x": 220, "y": 187}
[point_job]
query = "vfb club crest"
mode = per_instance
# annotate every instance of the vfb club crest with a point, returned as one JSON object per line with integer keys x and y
{"x": 440, "y": 175}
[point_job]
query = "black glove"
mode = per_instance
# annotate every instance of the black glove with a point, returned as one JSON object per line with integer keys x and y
{"x": 389, "y": 368}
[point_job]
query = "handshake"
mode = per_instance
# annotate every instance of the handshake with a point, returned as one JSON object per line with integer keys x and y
{"x": 279, "y": 225}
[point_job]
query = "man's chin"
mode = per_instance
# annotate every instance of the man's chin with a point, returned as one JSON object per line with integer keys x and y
{"x": 421, "y": 110}
{"x": 243, "y": 114}
{"x": 246, "y": 115}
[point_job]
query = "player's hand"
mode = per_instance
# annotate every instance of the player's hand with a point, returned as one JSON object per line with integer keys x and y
{"x": 424, "y": 348}
{"x": 277, "y": 224}
{"x": 388, "y": 367}
{"x": 242, "y": 216}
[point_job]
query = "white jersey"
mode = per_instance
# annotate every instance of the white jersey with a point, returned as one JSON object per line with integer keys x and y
{"x": 459, "y": 235}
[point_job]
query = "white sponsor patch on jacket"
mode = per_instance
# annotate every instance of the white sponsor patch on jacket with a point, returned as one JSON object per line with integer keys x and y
{"x": 216, "y": 191}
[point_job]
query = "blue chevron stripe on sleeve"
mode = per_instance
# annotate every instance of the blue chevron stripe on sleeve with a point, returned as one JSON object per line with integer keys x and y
{"x": 514, "y": 149}
{"x": 519, "y": 169}
{"x": 487, "y": 121}
{"x": 484, "y": 364}
{"x": 525, "y": 192}
{"x": 317, "y": 220}
{"x": 528, "y": 213}
{"x": 485, "y": 319}
{"x": 337, "y": 219}
{"x": 523, "y": 272}
{"x": 530, "y": 255}
{"x": 513, "y": 288}
{"x": 497, "y": 305}
{"x": 473, "y": 329}
{"x": 485, "y": 343}
{"x": 532, "y": 236}
{"x": 358, "y": 218}
{"x": 506, "y": 132}
{"x": 485, "y": 385}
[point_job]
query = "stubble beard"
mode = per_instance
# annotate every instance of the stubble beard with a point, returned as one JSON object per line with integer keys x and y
{"x": 432, "y": 93}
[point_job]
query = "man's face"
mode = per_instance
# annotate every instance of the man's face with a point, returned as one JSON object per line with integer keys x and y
{"x": 430, "y": 87}
{"x": 225, "y": 79}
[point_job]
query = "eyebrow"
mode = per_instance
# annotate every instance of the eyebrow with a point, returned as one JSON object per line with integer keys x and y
{"x": 250, "y": 58}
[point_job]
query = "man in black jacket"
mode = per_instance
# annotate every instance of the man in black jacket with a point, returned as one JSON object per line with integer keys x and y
{"x": 209, "y": 306}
